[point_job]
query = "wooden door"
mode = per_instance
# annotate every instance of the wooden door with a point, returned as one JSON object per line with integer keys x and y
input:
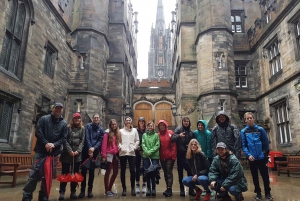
{"x": 163, "y": 112}
{"x": 142, "y": 110}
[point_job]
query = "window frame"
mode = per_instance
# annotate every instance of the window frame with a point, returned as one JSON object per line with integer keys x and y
{"x": 234, "y": 23}
{"x": 51, "y": 56}
{"x": 297, "y": 36}
{"x": 274, "y": 56}
{"x": 239, "y": 75}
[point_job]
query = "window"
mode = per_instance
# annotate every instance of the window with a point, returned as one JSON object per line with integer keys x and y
{"x": 6, "y": 110}
{"x": 274, "y": 57}
{"x": 13, "y": 38}
{"x": 283, "y": 125}
{"x": 297, "y": 32}
{"x": 50, "y": 60}
{"x": 267, "y": 7}
{"x": 236, "y": 21}
{"x": 240, "y": 76}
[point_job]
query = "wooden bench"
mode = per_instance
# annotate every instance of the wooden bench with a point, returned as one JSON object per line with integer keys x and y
{"x": 292, "y": 164}
{"x": 14, "y": 165}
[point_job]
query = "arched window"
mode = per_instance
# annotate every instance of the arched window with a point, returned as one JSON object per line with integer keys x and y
{"x": 15, "y": 37}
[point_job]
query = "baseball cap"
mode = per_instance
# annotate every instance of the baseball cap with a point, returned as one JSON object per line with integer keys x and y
{"x": 57, "y": 104}
{"x": 76, "y": 115}
{"x": 221, "y": 145}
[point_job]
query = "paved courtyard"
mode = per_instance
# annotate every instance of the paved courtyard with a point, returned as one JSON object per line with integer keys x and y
{"x": 283, "y": 189}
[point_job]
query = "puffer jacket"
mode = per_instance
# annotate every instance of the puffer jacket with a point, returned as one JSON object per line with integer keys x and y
{"x": 198, "y": 165}
{"x": 255, "y": 142}
{"x": 230, "y": 170}
{"x": 50, "y": 130}
{"x": 204, "y": 139}
{"x": 75, "y": 142}
{"x": 168, "y": 149}
{"x": 150, "y": 145}
{"x": 182, "y": 142}
{"x": 129, "y": 142}
{"x": 227, "y": 133}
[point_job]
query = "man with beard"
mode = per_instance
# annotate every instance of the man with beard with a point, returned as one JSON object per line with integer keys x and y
{"x": 227, "y": 133}
{"x": 226, "y": 174}
{"x": 182, "y": 136}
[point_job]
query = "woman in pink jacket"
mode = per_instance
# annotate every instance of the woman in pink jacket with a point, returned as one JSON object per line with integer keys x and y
{"x": 109, "y": 152}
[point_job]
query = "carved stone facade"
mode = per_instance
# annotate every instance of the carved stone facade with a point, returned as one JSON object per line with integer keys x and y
{"x": 240, "y": 56}
{"x": 63, "y": 51}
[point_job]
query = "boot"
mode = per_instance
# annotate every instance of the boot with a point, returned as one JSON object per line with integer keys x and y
{"x": 182, "y": 193}
{"x": 192, "y": 192}
{"x": 82, "y": 192}
{"x": 133, "y": 192}
{"x": 149, "y": 192}
{"x": 198, "y": 194}
{"x": 153, "y": 192}
{"x": 61, "y": 196}
{"x": 90, "y": 194}
{"x": 73, "y": 195}
{"x": 168, "y": 192}
{"x": 124, "y": 192}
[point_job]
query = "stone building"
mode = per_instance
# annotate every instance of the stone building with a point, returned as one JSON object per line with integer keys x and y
{"x": 80, "y": 53}
{"x": 239, "y": 56}
{"x": 160, "y": 50}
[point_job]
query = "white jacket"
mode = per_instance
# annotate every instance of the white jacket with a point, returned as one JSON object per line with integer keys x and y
{"x": 129, "y": 142}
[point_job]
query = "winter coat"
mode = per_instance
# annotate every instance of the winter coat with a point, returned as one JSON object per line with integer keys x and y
{"x": 227, "y": 133}
{"x": 182, "y": 142}
{"x": 93, "y": 138}
{"x": 168, "y": 149}
{"x": 150, "y": 145}
{"x": 75, "y": 142}
{"x": 129, "y": 142}
{"x": 141, "y": 132}
{"x": 50, "y": 130}
{"x": 255, "y": 142}
{"x": 198, "y": 165}
{"x": 230, "y": 170}
{"x": 108, "y": 147}
{"x": 204, "y": 139}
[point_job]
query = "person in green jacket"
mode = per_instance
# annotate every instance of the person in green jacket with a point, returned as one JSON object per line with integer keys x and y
{"x": 226, "y": 174}
{"x": 150, "y": 146}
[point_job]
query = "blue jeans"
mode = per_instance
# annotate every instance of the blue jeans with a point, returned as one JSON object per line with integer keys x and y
{"x": 231, "y": 190}
{"x": 201, "y": 180}
{"x": 147, "y": 164}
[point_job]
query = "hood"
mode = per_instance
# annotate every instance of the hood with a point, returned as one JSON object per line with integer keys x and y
{"x": 164, "y": 122}
{"x": 223, "y": 113}
{"x": 204, "y": 123}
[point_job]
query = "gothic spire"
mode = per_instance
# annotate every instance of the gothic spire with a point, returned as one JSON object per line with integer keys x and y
{"x": 160, "y": 18}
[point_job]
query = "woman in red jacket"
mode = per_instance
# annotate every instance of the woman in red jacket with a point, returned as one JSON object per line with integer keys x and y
{"x": 109, "y": 151}
{"x": 168, "y": 153}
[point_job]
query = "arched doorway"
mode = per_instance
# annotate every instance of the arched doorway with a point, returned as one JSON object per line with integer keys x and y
{"x": 163, "y": 111}
{"x": 142, "y": 110}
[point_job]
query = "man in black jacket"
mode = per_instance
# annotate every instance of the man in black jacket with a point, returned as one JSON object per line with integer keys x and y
{"x": 182, "y": 136}
{"x": 51, "y": 133}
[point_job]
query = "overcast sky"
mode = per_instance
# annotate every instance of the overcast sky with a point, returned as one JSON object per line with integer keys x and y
{"x": 147, "y": 16}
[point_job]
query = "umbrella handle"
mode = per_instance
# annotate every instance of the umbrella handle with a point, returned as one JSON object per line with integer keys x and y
{"x": 150, "y": 161}
{"x": 73, "y": 166}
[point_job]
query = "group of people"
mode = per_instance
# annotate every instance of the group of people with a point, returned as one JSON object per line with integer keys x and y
{"x": 211, "y": 160}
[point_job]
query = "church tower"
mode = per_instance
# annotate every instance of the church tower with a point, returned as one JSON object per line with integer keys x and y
{"x": 160, "y": 53}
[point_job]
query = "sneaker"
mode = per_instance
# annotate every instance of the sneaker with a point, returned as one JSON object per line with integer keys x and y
{"x": 90, "y": 194}
{"x": 182, "y": 193}
{"x": 133, "y": 192}
{"x": 269, "y": 197}
{"x": 203, "y": 193}
{"x": 109, "y": 194}
{"x": 192, "y": 192}
{"x": 258, "y": 196}
{"x": 81, "y": 195}
{"x": 207, "y": 196}
{"x": 144, "y": 190}
{"x": 137, "y": 189}
{"x": 198, "y": 194}
{"x": 61, "y": 196}
{"x": 212, "y": 193}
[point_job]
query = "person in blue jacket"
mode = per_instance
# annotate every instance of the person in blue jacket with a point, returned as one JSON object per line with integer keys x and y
{"x": 255, "y": 144}
{"x": 93, "y": 140}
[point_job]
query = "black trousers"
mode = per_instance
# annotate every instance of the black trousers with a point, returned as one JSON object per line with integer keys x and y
{"x": 138, "y": 160}
{"x": 123, "y": 162}
{"x": 167, "y": 166}
{"x": 260, "y": 165}
{"x": 65, "y": 169}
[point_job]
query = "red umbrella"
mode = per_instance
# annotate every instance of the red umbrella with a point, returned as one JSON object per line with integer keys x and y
{"x": 74, "y": 177}
{"x": 48, "y": 168}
